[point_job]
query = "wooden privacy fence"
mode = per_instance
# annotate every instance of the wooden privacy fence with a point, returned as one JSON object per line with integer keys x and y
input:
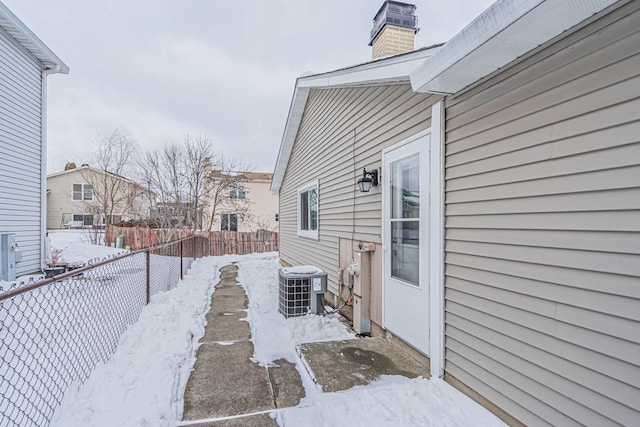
{"x": 221, "y": 242}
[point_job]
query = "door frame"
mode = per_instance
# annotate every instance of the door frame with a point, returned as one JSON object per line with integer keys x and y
{"x": 436, "y": 243}
{"x": 425, "y": 247}
{"x": 436, "y": 237}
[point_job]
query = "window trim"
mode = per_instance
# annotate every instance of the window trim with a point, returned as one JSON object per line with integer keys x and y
{"x": 83, "y": 190}
{"x": 229, "y": 220}
{"x": 238, "y": 190}
{"x": 309, "y": 234}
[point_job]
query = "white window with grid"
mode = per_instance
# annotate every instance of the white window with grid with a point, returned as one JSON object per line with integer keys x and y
{"x": 82, "y": 192}
{"x": 308, "y": 210}
{"x": 238, "y": 190}
{"x": 229, "y": 221}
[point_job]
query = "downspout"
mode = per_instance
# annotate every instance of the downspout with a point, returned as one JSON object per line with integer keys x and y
{"x": 43, "y": 165}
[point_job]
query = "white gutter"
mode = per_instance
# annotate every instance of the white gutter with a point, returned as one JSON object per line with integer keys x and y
{"x": 43, "y": 166}
{"x": 504, "y": 32}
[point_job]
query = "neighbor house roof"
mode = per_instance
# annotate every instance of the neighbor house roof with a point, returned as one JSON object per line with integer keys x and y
{"x": 392, "y": 69}
{"x": 504, "y": 32}
{"x": 89, "y": 168}
{"x": 23, "y": 35}
{"x": 258, "y": 176}
{"x": 249, "y": 176}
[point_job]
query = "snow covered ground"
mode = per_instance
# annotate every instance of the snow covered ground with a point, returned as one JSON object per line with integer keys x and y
{"x": 74, "y": 246}
{"x": 143, "y": 382}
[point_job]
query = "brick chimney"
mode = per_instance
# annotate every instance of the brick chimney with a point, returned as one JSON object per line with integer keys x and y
{"x": 394, "y": 29}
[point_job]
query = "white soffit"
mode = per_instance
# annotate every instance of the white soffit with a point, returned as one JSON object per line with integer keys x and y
{"x": 23, "y": 35}
{"x": 394, "y": 69}
{"x": 505, "y": 31}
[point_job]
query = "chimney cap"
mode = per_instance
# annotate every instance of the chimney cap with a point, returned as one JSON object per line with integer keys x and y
{"x": 394, "y": 13}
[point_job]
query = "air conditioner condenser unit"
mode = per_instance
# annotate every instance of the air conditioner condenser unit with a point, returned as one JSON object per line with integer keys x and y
{"x": 301, "y": 290}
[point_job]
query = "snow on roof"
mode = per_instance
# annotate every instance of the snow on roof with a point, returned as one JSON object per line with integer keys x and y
{"x": 23, "y": 35}
{"x": 504, "y": 32}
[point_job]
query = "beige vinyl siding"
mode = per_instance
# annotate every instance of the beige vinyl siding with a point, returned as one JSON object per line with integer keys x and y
{"x": 542, "y": 230}
{"x": 342, "y": 131}
{"x": 20, "y": 150}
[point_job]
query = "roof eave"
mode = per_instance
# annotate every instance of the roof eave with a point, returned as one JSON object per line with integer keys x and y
{"x": 501, "y": 34}
{"x": 390, "y": 70}
{"x": 23, "y": 35}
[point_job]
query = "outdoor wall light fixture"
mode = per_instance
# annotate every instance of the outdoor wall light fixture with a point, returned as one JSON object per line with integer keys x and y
{"x": 368, "y": 179}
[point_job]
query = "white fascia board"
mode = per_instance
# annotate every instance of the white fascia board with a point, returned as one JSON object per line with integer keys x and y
{"x": 394, "y": 69}
{"x": 501, "y": 34}
{"x": 296, "y": 110}
{"x": 23, "y": 35}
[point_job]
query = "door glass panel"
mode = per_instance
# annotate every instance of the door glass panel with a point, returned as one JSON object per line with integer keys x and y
{"x": 405, "y": 251}
{"x": 405, "y": 188}
{"x": 405, "y": 219}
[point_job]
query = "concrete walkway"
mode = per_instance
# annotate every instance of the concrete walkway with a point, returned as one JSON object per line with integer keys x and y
{"x": 227, "y": 389}
{"x": 225, "y": 382}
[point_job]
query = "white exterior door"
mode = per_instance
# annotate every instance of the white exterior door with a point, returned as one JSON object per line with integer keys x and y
{"x": 405, "y": 195}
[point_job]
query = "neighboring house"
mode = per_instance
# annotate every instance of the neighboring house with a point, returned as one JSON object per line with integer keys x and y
{"x": 245, "y": 204}
{"x": 506, "y": 224}
{"x": 76, "y": 199}
{"x": 25, "y": 63}
{"x": 175, "y": 215}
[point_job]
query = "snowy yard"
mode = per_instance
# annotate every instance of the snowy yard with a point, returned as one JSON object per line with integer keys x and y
{"x": 143, "y": 382}
{"x": 74, "y": 246}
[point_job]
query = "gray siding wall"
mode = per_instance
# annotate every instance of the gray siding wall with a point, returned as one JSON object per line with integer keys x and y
{"x": 20, "y": 150}
{"x": 542, "y": 231}
{"x": 342, "y": 131}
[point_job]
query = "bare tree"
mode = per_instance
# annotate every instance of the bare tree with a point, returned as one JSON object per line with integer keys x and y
{"x": 197, "y": 161}
{"x": 264, "y": 222}
{"x": 192, "y": 183}
{"x": 160, "y": 172}
{"x": 111, "y": 190}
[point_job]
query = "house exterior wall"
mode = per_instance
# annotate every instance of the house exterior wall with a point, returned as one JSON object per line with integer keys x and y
{"x": 263, "y": 208}
{"x": 20, "y": 151}
{"x": 542, "y": 230}
{"x": 60, "y": 200}
{"x": 258, "y": 209}
{"x": 342, "y": 131}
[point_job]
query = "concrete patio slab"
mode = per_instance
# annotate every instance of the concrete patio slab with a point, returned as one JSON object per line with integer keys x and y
{"x": 286, "y": 384}
{"x": 261, "y": 420}
{"x": 225, "y": 382}
{"x": 341, "y": 365}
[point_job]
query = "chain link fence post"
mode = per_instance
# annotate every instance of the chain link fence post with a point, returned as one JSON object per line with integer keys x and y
{"x": 148, "y": 261}
{"x": 181, "y": 259}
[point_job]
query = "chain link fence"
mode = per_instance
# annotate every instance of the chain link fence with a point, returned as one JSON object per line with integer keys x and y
{"x": 53, "y": 332}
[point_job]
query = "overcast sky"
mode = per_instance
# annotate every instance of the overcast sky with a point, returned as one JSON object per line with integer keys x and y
{"x": 222, "y": 69}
